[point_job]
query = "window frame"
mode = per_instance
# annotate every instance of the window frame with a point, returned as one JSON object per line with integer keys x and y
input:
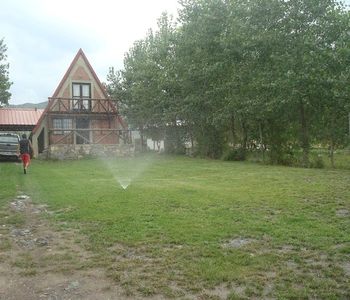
{"x": 79, "y": 92}
{"x": 62, "y": 123}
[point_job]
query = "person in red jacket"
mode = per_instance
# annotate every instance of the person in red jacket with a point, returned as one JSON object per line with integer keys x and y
{"x": 24, "y": 148}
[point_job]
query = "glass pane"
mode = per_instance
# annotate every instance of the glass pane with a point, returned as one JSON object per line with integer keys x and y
{"x": 76, "y": 90}
{"x": 86, "y": 91}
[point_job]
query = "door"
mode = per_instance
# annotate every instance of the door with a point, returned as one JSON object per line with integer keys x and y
{"x": 83, "y": 136}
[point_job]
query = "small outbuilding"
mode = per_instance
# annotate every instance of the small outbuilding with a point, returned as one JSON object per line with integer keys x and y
{"x": 19, "y": 119}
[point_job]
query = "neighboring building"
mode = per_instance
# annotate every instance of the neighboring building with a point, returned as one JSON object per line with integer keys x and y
{"x": 155, "y": 145}
{"x": 19, "y": 120}
{"x": 80, "y": 118}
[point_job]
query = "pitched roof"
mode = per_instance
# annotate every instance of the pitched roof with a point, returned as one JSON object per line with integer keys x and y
{"x": 65, "y": 78}
{"x": 19, "y": 118}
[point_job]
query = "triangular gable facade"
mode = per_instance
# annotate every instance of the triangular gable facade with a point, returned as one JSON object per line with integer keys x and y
{"x": 80, "y": 70}
{"x": 80, "y": 112}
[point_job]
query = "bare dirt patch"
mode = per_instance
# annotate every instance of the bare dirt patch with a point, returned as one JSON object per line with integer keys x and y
{"x": 43, "y": 260}
{"x": 38, "y": 261}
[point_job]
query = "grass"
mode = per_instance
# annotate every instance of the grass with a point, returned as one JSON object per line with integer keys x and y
{"x": 186, "y": 225}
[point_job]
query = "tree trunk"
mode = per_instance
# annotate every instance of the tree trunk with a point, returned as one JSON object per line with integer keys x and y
{"x": 143, "y": 144}
{"x": 262, "y": 143}
{"x": 233, "y": 130}
{"x": 244, "y": 133}
{"x": 304, "y": 135}
{"x": 331, "y": 152}
{"x": 192, "y": 142}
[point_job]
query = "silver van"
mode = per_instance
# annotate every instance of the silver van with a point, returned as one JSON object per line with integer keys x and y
{"x": 8, "y": 145}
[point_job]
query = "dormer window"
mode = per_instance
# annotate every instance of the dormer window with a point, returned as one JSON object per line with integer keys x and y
{"x": 81, "y": 93}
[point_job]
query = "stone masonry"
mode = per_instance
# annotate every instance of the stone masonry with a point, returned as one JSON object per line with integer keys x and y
{"x": 71, "y": 152}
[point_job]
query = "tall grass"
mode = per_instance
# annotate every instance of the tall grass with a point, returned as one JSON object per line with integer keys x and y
{"x": 262, "y": 231}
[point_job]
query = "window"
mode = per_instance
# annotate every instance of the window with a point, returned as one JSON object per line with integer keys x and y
{"x": 62, "y": 124}
{"x": 81, "y": 91}
{"x": 9, "y": 139}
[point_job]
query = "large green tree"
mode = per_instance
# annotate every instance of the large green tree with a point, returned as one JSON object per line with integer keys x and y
{"x": 237, "y": 72}
{"x": 144, "y": 87}
{"x": 310, "y": 30}
{"x": 333, "y": 94}
{"x": 5, "y": 82}
{"x": 202, "y": 66}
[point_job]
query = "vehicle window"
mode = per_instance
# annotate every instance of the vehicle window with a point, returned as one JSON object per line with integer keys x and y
{"x": 8, "y": 139}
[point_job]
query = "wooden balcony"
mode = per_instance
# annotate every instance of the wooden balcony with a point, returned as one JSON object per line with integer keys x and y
{"x": 85, "y": 134}
{"x": 85, "y": 121}
{"x": 82, "y": 106}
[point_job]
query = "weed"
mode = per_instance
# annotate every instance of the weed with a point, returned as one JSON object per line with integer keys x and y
{"x": 16, "y": 220}
{"x": 30, "y": 272}
{"x": 234, "y": 296}
{"x": 25, "y": 263}
{"x": 5, "y": 244}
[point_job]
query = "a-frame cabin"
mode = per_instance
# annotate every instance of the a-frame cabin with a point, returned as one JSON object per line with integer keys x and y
{"x": 80, "y": 117}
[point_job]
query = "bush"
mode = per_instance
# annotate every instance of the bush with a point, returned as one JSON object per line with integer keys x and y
{"x": 237, "y": 154}
{"x": 317, "y": 162}
{"x": 210, "y": 141}
{"x": 174, "y": 142}
{"x": 284, "y": 156}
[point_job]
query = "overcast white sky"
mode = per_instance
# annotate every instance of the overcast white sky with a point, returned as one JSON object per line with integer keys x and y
{"x": 43, "y": 37}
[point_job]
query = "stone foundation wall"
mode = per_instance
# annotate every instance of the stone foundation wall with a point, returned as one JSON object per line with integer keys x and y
{"x": 68, "y": 152}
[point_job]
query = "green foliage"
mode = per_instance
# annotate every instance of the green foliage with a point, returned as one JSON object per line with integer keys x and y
{"x": 283, "y": 156}
{"x": 210, "y": 141}
{"x": 144, "y": 87}
{"x": 317, "y": 162}
{"x": 5, "y": 83}
{"x": 175, "y": 140}
{"x": 272, "y": 71}
{"x": 236, "y": 154}
{"x": 5, "y": 245}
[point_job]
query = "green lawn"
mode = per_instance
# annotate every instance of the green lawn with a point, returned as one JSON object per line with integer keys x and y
{"x": 258, "y": 230}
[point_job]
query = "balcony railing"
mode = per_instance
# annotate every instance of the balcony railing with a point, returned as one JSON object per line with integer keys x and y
{"x": 83, "y": 105}
{"x": 124, "y": 135}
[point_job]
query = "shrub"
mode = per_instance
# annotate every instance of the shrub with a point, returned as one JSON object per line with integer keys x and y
{"x": 237, "y": 154}
{"x": 317, "y": 162}
{"x": 174, "y": 141}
